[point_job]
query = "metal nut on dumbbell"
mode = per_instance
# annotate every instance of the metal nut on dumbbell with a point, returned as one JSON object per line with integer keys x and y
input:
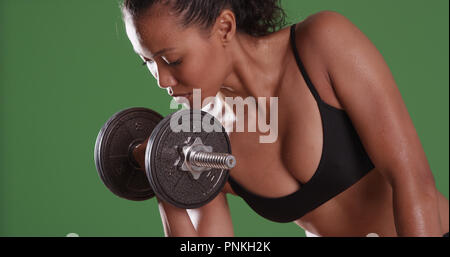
{"x": 198, "y": 158}
{"x": 185, "y": 168}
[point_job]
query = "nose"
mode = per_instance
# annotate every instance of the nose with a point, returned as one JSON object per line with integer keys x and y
{"x": 165, "y": 79}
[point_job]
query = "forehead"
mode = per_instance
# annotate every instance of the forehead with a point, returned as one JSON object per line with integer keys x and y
{"x": 155, "y": 29}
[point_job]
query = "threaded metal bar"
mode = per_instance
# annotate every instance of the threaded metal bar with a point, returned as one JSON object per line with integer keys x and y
{"x": 213, "y": 160}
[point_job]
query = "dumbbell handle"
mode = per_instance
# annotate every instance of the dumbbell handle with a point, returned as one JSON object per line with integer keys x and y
{"x": 139, "y": 154}
{"x": 198, "y": 159}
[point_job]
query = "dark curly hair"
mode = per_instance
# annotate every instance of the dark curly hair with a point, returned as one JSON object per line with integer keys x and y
{"x": 254, "y": 17}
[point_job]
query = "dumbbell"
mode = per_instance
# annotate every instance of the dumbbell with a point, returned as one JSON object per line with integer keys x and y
{"x": 138, "y": 155}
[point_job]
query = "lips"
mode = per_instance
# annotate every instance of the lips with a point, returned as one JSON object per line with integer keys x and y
{"x": 182, "y": 98}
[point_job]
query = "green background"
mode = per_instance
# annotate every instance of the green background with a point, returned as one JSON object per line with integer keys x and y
{"x": 67, "y": 66}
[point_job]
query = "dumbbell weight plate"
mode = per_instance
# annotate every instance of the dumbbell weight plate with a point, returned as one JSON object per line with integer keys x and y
{"x": 163, "y": 163}
{"x": 113, "y": 156}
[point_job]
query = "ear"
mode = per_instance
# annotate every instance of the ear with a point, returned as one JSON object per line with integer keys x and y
{"x": 225, "y": 26}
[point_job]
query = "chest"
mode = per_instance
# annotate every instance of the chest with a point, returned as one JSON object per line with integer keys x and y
{"x": 275, "y": 169}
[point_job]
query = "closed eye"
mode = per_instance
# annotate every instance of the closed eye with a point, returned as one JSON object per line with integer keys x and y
{"x": 178, "y": 62}
{"x": 146, "y": 62}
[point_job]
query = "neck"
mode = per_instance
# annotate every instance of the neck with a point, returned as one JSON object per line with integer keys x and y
{"x": 257, "y": 69}
{"x": 256, "y": 65}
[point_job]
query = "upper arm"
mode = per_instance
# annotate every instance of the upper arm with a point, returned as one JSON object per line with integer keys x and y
{"x": 366, "y": 89}
{"x": 214, "y": 218}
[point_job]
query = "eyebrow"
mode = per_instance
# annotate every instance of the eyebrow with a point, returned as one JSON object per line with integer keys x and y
{"x": 160, "y": 52}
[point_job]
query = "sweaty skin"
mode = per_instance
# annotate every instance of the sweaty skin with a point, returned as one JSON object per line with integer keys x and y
{"x": 399, "y": 197}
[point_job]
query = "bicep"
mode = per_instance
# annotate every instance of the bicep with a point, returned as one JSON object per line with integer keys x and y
{"x": 214, "y": 218}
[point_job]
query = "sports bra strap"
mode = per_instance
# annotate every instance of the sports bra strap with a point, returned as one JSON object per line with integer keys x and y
{"x": 302, "y": 68}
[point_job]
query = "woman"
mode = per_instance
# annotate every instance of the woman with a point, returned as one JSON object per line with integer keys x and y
{"x": 347, "y": 161}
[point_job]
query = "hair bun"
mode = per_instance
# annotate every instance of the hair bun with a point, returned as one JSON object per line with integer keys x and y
{"x": 258, "y": 17}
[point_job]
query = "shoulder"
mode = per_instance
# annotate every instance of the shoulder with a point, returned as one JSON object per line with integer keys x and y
{"x": 326, "y": 33}
{"x": 324, "y": 25}
{"x": 325, "y": 18}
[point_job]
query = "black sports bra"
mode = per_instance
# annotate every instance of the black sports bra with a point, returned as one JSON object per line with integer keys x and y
{"x": 344, "y": 161}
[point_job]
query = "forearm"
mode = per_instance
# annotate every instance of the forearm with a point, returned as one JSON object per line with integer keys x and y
{"x": 416, "y": 210}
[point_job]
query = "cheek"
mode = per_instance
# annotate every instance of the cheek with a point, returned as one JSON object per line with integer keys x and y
{"x": 206, "y": 70}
